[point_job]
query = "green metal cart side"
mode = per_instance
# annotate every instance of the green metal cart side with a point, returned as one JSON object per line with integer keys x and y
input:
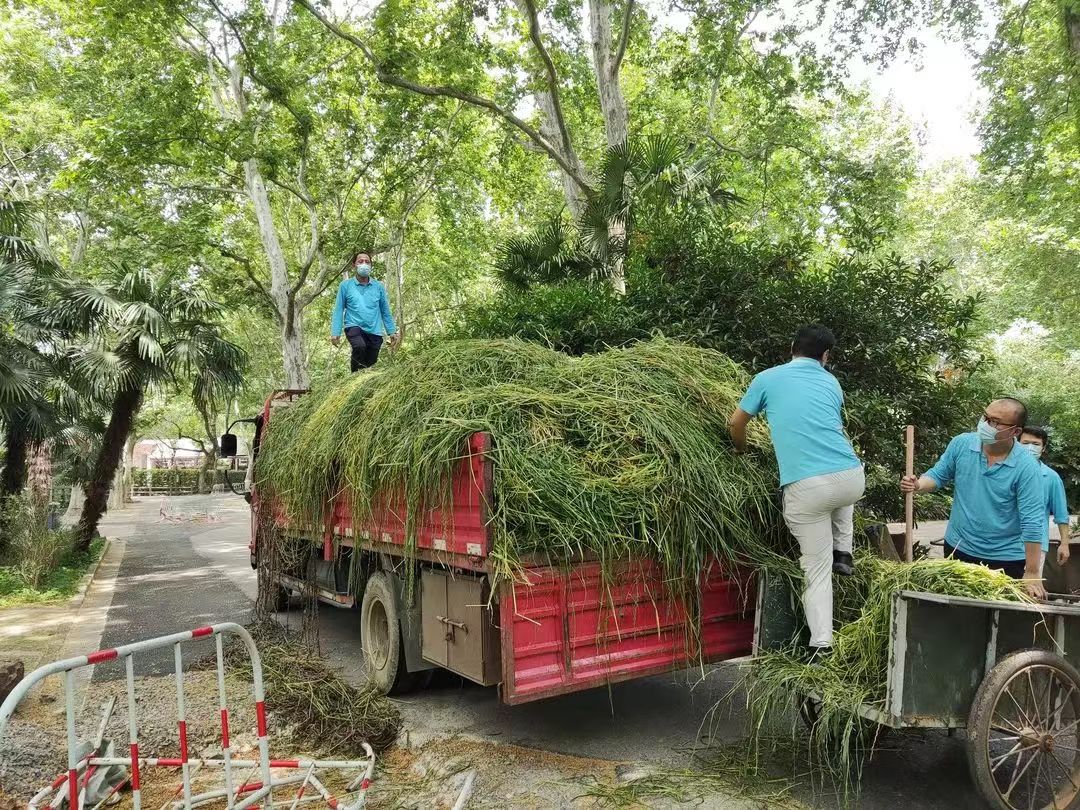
{"x": 1002, "y": 670}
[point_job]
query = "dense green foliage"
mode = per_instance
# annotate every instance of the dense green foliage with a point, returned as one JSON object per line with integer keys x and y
{"x": 906, "y": 343}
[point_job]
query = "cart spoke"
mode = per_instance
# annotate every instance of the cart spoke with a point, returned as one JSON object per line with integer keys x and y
{"x": 1071, "y": 725}
{"x": 1060, "y": 704}
{"x": 1034, "y": 699}
{"x": 1051, "y": 680}
{"x": 1018, "y": 776}
{"x": 1038, "y": 773}
{"x": 1017, "y": 749}
{"x": 1023, "y": 714}
{"x": 1011, "y": 731}
{"x": 1068, "y": 773}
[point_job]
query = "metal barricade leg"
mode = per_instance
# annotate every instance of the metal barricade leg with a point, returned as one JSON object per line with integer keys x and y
{"x": 72, "y": 779}
{"x": 181, "y": 723}
{"x": 133, "y": 732}
{"x": 226, "y": 754}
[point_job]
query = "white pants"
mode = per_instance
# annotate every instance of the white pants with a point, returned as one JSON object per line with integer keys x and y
{"x": 819, "y": 512}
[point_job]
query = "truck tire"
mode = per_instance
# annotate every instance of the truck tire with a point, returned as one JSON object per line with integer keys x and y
{"x": 380, "y": 635}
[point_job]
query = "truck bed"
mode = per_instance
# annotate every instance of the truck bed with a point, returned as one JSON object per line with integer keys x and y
{"x": 558, "y": 628}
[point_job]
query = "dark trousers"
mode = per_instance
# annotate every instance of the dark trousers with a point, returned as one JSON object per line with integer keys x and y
{"x": 1014, "y": 568}
{"x": 365, "y": 348}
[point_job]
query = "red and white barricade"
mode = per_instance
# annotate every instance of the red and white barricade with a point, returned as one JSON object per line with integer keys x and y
{"x": 237, "y": 796}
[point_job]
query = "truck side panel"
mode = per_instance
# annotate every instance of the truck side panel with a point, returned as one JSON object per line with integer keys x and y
{"x": 459, "y": 530}
{"x": 567, "y": 630}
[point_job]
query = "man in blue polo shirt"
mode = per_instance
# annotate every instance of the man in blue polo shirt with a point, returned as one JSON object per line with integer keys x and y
{"x": 821, "y": 476}
{"x": 998, "y": 517}
{"x": 1035, "y": 440}
{"x": 363, "y": 311}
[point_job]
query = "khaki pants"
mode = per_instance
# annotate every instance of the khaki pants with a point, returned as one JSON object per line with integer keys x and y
{"x": 819, "y": 512}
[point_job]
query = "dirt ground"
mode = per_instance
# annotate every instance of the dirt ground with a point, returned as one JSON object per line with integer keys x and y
{"x": 427, "y": 775}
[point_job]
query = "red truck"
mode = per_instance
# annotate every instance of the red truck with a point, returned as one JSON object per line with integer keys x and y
{"x": 557, "y": 629}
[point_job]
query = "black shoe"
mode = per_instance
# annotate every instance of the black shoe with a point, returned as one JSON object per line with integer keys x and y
{"x": 814, "y": 655}
{"x": 842, "y": 564}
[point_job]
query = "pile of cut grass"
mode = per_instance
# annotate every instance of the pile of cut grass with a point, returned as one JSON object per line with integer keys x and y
{"x": 613, "y": 455}
{"x": 320, "y": 708}
{"x": 854, "y": 674}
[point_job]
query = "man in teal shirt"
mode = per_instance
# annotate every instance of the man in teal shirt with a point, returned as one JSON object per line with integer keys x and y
{"x": 998, "y": 517}
{"x": 362, "y": 309}
{"x": 821, "y": 476}
{"x": 1035, "y": 440}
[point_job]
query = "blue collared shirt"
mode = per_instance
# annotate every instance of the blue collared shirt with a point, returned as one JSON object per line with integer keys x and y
{"x": 1054, "y": 500}
{"x": 995, "y": 510}
{"x": 363, "y": 305}
{"x": 803, "y": 403}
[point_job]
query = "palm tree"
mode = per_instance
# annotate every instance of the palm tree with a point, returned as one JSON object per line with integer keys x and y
{"x": 144, "y": 330}
{"x": 26, "y": 414}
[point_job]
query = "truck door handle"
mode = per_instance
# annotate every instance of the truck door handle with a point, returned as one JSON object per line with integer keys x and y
{"x": 451, "y": 625}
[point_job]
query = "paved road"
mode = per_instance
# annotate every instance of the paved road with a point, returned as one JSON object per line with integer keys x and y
{"x": 174, "y": 575}
{"x": 179, "y": 575}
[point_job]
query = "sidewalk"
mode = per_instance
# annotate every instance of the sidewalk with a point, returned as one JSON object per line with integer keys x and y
{"x": 38, "y": 634}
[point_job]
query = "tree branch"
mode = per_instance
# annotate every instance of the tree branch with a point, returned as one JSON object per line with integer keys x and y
{"x": 386, "y": 77}
{"x": 552, "y": 75}
{"x": 245, "y": 264}
{"x": 624, "y": 39}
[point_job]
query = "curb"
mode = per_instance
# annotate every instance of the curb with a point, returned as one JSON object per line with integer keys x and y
{"x": 75, "y": 600}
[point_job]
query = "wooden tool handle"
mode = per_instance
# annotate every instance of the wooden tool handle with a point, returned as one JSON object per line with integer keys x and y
{"x": 909, "y": 498}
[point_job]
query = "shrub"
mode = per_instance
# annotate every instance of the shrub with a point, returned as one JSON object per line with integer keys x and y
{"x": 173, "y": 479}
{"x": 33, "y": 552}
{"x": 906, "y": 344}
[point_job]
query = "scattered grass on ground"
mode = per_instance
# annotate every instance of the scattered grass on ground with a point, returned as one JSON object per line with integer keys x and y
{"x": 322, "y": 709}
{"x": 59, "y": 584}
{"x": 727, "y": 772}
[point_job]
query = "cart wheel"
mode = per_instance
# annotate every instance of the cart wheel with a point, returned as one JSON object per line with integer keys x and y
{"x": 380, "y": 634}
{"x": 1023, "y": 737}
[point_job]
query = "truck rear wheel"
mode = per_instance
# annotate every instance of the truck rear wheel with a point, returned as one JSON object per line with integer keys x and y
{"x": 380, "y": 634}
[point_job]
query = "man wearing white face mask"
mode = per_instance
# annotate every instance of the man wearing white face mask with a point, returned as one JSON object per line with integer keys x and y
{"x": 998, "y": 517}
{"x": 1035, "y": 441}
{"x": 362, "y": 310}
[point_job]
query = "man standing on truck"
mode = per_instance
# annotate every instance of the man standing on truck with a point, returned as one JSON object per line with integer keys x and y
{"x": 820, "y": 474}
{"x": 1035, "y": 440}
{"x": 362, "y": 309}
{"x": 998, "y": 517}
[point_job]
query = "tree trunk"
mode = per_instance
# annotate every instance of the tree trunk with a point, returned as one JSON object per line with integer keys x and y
{"x": 612, "y": 104}
{"x": 206, "y": 471}
{"x": 40, "y": 474}
{"x": 75, "y": 504}
{"x": 124, "y": 409}
{"x": 13, "y": 478}
{"x": 292, "y": 328}
{"x": 575, "y": 200}
{"x": 1071, "y": 15}
{"x": 116, "y": 491}
{"x": 616, "y": 116}
{"x": 294, "y": 356}
{"x": 397, "y": 270}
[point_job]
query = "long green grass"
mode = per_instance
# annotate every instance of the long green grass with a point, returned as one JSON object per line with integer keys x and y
{"x": 854, "y": 674}
{"x": 615, "y": 455}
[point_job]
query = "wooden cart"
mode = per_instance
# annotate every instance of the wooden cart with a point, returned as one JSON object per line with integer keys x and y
{"x": 1004, "y": 671}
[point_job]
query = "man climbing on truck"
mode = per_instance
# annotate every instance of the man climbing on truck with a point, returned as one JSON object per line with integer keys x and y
{"x": 820, "y": 474}
{"x": 362, "y": 309}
